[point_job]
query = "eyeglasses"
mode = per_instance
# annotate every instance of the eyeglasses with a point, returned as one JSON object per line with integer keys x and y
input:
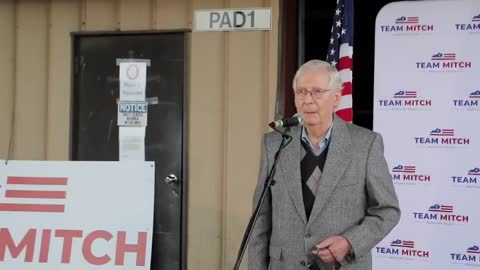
{"x": 315, "y": 93}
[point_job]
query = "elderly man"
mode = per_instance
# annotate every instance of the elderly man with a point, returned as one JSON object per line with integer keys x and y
{"x": 333, "y": 199}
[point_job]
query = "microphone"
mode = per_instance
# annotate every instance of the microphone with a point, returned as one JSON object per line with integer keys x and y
{"x": 296, "y": 120}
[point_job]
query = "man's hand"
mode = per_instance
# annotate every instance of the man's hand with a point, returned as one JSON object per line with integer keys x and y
{"x": 332, "y": 249}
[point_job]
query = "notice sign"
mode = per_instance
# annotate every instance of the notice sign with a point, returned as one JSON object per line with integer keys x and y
{"x": 132, "y": 113}
{"x": 233, "y": 19}
{"x": 73, "y": 215}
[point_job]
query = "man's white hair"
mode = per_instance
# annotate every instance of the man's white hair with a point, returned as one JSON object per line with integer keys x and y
{"x": 335, "y": 82}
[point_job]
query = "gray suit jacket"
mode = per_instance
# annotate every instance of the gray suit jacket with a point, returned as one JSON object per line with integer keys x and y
{"x": 355, "y": 198}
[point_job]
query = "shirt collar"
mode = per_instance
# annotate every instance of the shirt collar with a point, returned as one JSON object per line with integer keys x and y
{"x": 325, "y": 139}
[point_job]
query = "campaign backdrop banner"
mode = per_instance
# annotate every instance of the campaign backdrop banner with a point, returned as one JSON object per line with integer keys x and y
{"x": 76, "y": 215}
{"x": 426, "y": 106}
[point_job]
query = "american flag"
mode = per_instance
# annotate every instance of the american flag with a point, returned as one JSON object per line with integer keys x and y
{"x": 405, "y": 244}
{"x": 442, "y": 132}
{"x": 405, "y": 94}
{"x": 475, "y": 94}
{"x": 34, "y": 194}
{"x": 444, "y": 56}
{"x": 441, "y": 208}
{"x": 474, "y": 249}
{"x": 475, "y": 171}
{"x": 408, "y": 20}
{"x": 340, "y": 51}
{"x": 404, "y": 169}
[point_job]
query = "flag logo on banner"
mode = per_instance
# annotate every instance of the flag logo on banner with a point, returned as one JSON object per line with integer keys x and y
{"x": 408, "y": 25}
{"x": 441, "y": 214}
{"x": 442, "y": 132}
{"x": 403, "y": 243}
{"x": 471, "y": 26}
{"x": 340, "y": 54}
{"x": 400, "y": 249}
{"x": 474, "y": 249}
{"x": 405, "y": 100}
{"x": 441, "y": 208}
{"x": 34, "y": 194}
{"x": 407, "y": 20}
{"x": 404, "y": 169}
{"x": 475, "y": 94}
{"x": 407, "y": 174}
{"x": 443, "y": 61}
{"x": 440, "y": 136}
{"x": 469, "y": 258}
{"x": 405, "y": 94}
{"x": 472, "y": 103}
{"x": 444, "y": 56}
{"x": 475, "y": 171}
{"x": 470, "y": 179}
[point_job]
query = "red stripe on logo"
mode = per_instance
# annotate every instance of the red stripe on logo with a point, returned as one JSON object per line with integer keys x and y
{"x": 36, "y": 194}
{"x": 46, "y": 208}
{"x": 54, "y": 181}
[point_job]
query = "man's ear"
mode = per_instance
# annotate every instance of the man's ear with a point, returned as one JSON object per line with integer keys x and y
{"x": 338, "y": 98}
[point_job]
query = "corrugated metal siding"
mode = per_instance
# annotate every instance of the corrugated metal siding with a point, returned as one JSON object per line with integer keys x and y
{"x": 232, "y": 86}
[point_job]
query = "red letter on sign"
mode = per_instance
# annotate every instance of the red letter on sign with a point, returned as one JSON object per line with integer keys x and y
{"x": 68, "y": 236}
{"x": 140, "y": 248}
{"x": 45, "y": 246}
{"x": 28, "y": 243}
{"x": 87, "y": 247}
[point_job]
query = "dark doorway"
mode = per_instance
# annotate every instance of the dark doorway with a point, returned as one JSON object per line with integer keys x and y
{"x": 95, "y": 131}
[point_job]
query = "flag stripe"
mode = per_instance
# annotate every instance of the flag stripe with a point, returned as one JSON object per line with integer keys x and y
{"x": 36, "y": 194}
{"x": 46, "y": 208}
{"x": 345, "y": 63}
{"x": 340, "y": 53}
{"x": 345, "y": 102}
{"x": 346, "y": 75}
{"x": 16, "y": 180}
{"x": 347, "y": 88}
{"x": 345, "y": 113}
{"x": 407, "y": 246}
{"x": 345, "y": 50}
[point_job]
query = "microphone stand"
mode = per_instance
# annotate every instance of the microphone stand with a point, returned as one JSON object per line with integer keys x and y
{"x": 269, "y": 181}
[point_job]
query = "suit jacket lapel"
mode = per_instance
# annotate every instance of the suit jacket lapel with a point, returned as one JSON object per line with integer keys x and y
{"x": 338, "y": 158}
{"x": 290, "y": 164}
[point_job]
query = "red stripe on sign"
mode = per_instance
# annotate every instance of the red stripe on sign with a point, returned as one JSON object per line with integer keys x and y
{"x": 347, "y": 88}
{"x": 46, "y": 208}
{"x": 54, "y": 181}
{"x": 345, "y": 63}
{"x": 346, "y": 114}
{"x": 36, "y": 194}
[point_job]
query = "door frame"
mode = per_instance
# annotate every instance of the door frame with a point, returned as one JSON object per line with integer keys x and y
{"x": 73, "y": 121}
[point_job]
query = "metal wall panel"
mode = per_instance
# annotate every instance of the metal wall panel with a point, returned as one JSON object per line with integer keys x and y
{"x": 7, "y": 73}
{"x": 232, "y": 81}
{"x": 64, "y": 18}
{"x": 31, "y": 80}
{"x": 135, "y": 15}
